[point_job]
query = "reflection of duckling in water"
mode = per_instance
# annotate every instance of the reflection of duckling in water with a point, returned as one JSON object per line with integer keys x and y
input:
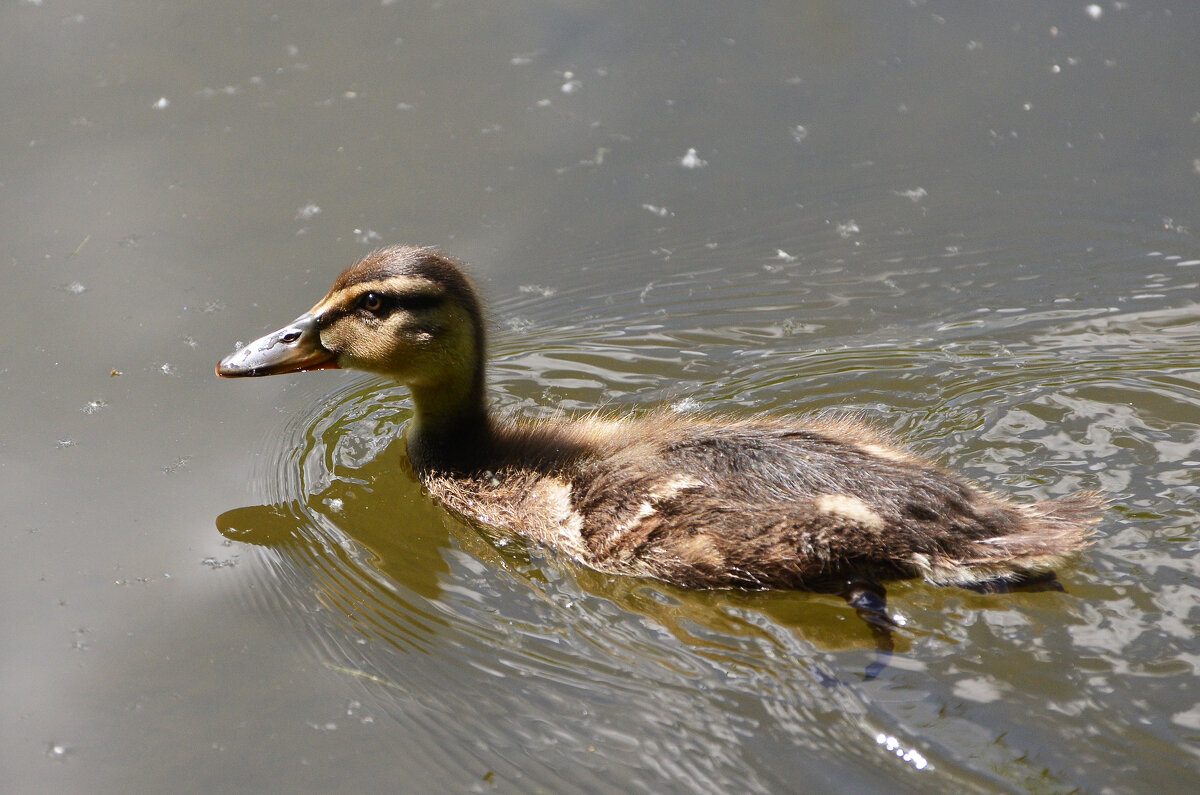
{"x": 702, "y": 503}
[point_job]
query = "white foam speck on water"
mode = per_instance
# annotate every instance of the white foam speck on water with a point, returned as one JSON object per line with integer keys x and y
{"x": 914, "y": 195}
{"x": 570, "y": 84}
{"x": 226, "y": 91}
{"x": 176, "y": 465}
{"x": 537, "y": 289}
{"x": 692, "y": 160}
{"x": 94, "y": 407}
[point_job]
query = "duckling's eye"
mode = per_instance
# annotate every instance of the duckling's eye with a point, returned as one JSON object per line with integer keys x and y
{"x": 372, "y": 302}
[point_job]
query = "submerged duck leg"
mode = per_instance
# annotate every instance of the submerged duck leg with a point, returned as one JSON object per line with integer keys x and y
{"x": 1026, "y": 582}
{"x": 869, "y": 600}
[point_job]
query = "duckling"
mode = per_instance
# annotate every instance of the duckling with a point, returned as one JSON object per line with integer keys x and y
{"x": 822, "y": 504}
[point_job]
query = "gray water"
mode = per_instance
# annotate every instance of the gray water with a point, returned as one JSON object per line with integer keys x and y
{"x": 972, "y": 224}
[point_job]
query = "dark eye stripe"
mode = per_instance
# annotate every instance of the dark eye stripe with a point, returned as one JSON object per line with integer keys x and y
{"x": 381, "y": 303}
{"x": 414, "y": 302}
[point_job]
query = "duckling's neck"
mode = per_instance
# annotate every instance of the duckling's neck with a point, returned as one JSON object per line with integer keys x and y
{"x": 450, "y": 429}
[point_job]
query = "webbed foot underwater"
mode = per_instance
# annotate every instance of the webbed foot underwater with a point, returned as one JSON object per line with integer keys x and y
{"x": 822, "y": 504}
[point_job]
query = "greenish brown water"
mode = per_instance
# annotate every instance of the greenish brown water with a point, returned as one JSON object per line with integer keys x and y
{"x": 982, "y": 238}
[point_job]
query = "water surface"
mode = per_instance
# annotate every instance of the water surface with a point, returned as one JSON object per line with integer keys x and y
{"x": 974, "y": 227}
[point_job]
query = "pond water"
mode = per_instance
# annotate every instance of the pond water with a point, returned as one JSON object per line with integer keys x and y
{"x": 971, "y": 224}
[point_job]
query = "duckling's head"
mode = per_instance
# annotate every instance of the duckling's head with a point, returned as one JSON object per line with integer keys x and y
{"x": 403, "y": 312}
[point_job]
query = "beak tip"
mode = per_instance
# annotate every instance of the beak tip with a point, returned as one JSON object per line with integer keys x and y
{"x": 228, "y": 368}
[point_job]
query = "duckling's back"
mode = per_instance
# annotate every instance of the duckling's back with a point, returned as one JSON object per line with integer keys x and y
{"x": 758, "y": 504}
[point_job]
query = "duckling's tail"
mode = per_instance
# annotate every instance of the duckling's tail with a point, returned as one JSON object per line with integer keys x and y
{"x": 1039, "y": 537}
{"x": 1052, "y": 531}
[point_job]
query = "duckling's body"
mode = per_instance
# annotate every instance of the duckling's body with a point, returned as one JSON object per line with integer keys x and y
{"x": 706, "y": 503}
{"x": 750, "y": 504}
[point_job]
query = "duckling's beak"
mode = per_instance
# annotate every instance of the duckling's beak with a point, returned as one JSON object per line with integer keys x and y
{"x": 295, "y": 347}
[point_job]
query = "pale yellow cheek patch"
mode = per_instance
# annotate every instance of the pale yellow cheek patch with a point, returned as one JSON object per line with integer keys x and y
{"x": 851, "y": 509}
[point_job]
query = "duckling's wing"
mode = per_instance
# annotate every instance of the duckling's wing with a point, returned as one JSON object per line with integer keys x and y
{"x": 790, "y": 506}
